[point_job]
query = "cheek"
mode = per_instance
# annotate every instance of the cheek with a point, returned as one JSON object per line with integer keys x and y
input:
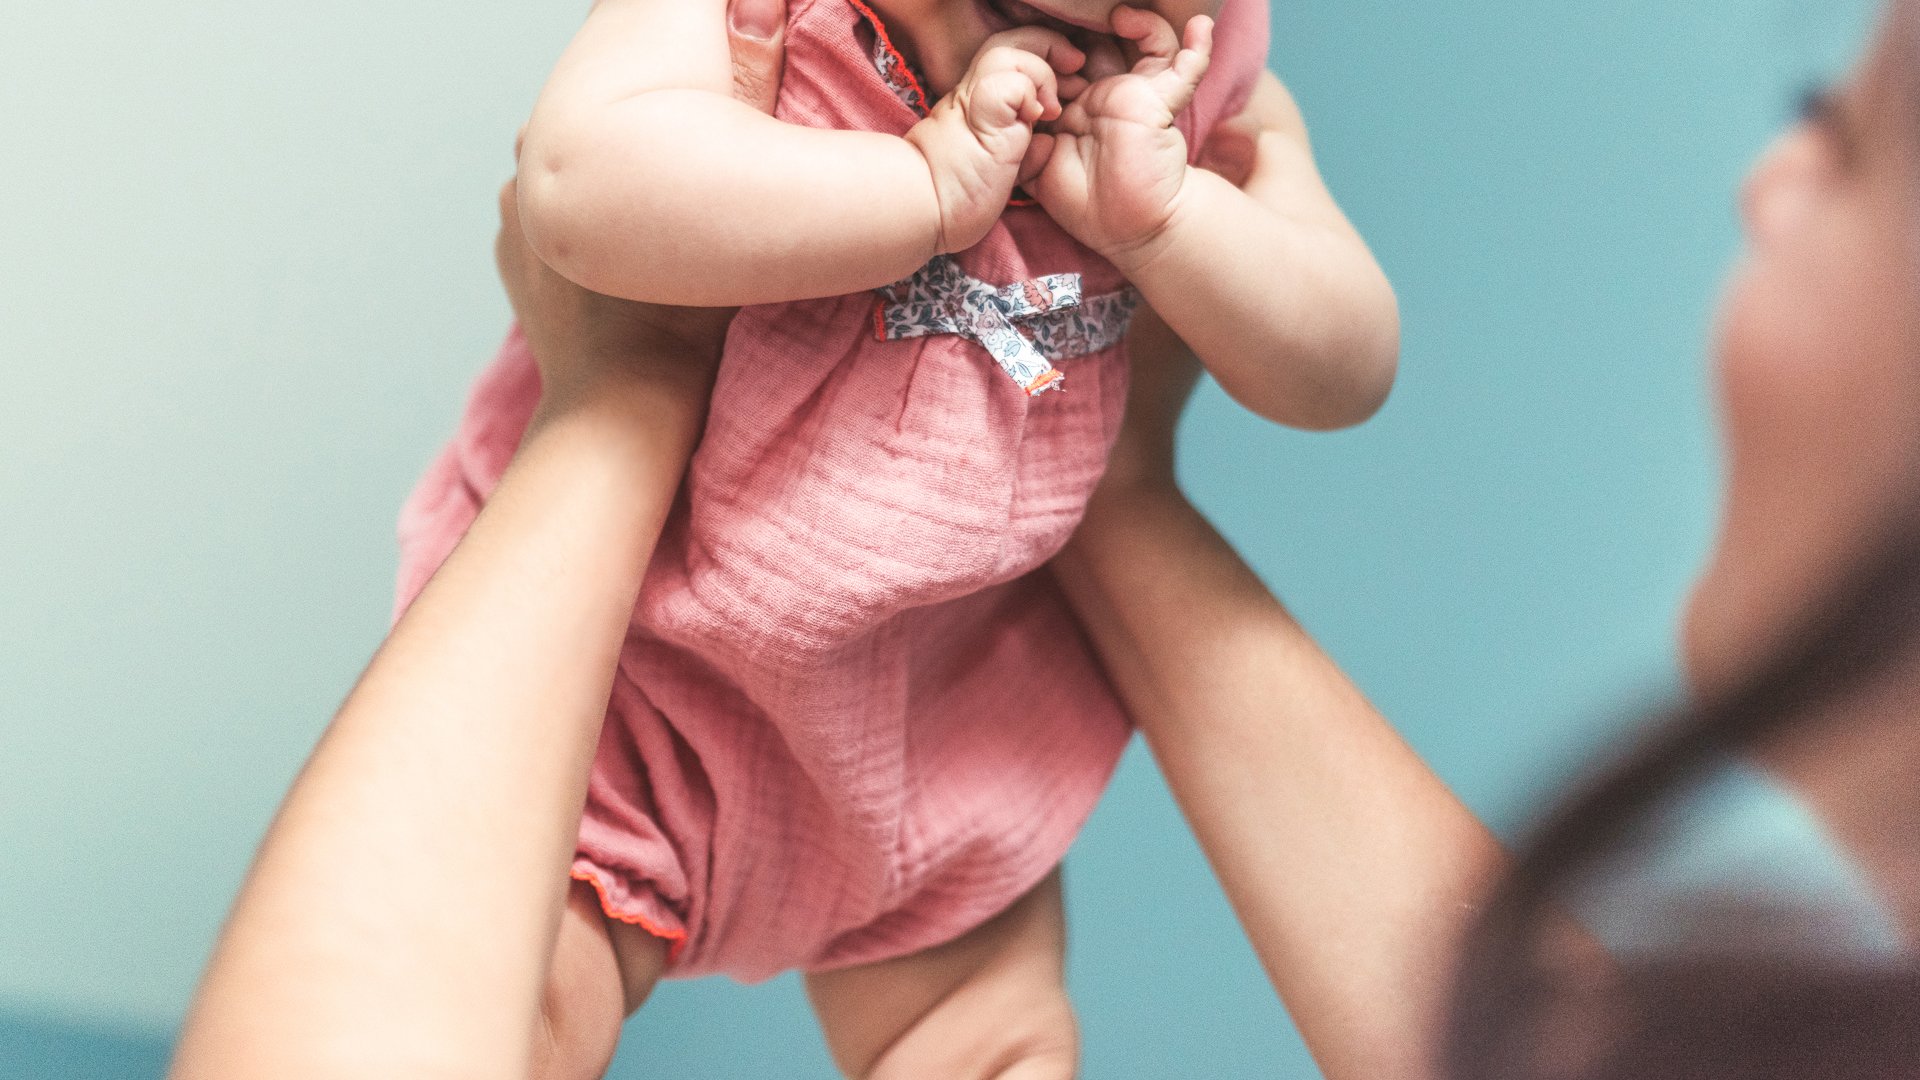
{"x": 1820, "y": 406}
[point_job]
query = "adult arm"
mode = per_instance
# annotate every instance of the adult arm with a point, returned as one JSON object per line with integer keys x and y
{"x": 1352, "y": 867}
{"x": 399, "y": 915}
{"x": 399, "y": 918}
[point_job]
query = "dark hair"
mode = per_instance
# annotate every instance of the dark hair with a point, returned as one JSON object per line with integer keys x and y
{"x": 1740, "y": 981}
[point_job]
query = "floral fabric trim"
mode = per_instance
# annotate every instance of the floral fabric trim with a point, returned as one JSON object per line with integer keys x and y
{"x": 892, "y": 65}
{"x": 1096, "y": 323}
{"x": 1024, "y": 326}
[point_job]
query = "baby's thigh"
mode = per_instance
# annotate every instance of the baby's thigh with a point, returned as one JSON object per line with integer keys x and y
{"x": 601, "y": 972}
{"x": 992, "y": 1004}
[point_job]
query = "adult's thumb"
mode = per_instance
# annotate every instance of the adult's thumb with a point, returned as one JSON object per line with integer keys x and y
{"x": 756, "y": 31}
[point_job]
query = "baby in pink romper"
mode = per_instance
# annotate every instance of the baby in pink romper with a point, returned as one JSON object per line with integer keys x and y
{"x": 854, "y": 721}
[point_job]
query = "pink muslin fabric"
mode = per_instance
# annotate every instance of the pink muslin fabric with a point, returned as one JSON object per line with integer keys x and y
{"x": 853, "y": 718}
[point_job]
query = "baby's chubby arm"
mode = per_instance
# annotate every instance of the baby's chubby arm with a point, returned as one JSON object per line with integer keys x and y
{"x": 642, "y": 177}
{"x": 1248, "y": 259}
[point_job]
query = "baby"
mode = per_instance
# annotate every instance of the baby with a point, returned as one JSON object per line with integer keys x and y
{"x": 855, "y": 728}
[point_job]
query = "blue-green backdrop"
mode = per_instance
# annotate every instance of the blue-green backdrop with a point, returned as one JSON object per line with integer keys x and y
{"x": 247, "y": 276}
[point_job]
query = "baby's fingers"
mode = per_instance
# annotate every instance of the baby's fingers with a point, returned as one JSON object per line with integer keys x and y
{"x": 1149, "y": 32}
{"x": 1013, "y": 99}
{"x": 1039, "y": 153}
{"x": 1177, "y": 80}
{"x": 1046, "y": 87}
{"x": 1196, "y": 53}
{"x": 1074, "y": 120}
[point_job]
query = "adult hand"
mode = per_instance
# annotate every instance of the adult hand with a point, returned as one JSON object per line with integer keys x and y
{"x": 587, "y": 344}
{"x": 1164, "y": 374}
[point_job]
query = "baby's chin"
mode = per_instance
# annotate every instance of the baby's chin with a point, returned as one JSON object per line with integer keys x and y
{"x": 1003, "y": 14}
{"x": 1083, "y": 31}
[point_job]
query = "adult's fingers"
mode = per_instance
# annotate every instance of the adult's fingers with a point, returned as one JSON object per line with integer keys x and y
{"x": 757, "y": 37}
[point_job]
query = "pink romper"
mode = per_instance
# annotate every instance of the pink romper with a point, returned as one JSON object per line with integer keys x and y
{"x": 854, "y": 718}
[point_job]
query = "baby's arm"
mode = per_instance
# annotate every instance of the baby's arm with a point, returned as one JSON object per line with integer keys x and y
{"x": 642, "y": 177}
{"x": 1257, "y": 269}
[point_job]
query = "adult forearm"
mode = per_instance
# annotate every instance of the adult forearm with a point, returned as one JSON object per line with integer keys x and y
{"x": 1290, "y": 314}
{"x": 398, "y": 919}
{"x": 1352, "y": 867}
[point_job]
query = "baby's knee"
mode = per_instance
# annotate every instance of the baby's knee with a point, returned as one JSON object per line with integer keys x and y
{"x": 1043, "y": 1045}
{"x": 1029, "y": 1036}
{"x": 585, "y": 999}
{"x": 578, "y": 1029}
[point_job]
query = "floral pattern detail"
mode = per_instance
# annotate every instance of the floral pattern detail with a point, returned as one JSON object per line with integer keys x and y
{"x": 893, "y": 67}
{"x": 1024, "y": 326}
{"x": 1097, "y": 323}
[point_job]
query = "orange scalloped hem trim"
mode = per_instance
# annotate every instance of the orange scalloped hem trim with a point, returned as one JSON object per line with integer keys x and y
{"x": 676, "y": 939}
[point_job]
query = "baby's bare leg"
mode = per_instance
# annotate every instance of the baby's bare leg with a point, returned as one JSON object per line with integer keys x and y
{"x": 992, "y": 1004}
{"x": 602, "y": 971}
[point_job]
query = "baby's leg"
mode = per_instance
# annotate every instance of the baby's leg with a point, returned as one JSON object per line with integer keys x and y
{"x": 601, "y": 972}
{"x": 992, "y": 1004}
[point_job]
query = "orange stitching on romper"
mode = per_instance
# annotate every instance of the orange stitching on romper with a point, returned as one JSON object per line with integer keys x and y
{"x": 879, "y": 318}
{"x": 677, "y": 939}
{"x": 913, "y": 80}
{"x": 1042, "y": 382}
{"x": 886, "y": 42}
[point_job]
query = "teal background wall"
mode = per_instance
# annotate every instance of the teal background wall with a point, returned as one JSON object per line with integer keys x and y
{"x": 248, "y": 276}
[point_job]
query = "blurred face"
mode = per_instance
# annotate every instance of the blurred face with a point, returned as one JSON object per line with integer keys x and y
{"x": 942, "y": 36}
{"x": 1818, "y": 366}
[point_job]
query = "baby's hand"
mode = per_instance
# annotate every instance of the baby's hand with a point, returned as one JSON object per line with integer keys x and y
{"x": 1114, "y": 172}
{"x": 976, "y": 139}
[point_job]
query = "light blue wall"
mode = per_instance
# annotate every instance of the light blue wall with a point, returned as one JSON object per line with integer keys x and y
{"x": 247, "y": 277}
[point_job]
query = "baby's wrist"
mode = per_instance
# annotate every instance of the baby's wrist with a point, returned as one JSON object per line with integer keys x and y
{"x": 933, "y": 138}
{"x": 1136, "y": 256}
